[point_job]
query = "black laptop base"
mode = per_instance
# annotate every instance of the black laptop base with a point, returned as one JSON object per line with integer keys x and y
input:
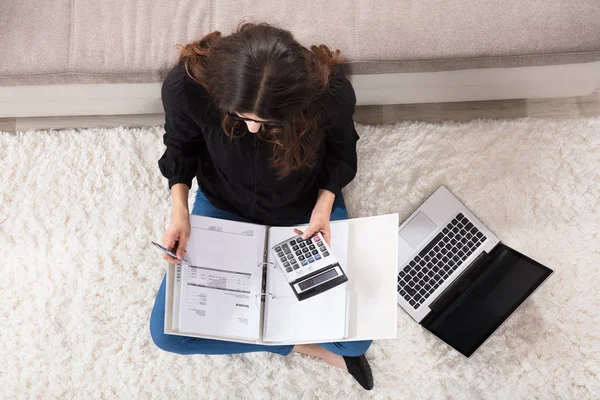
{"x": 483, "y": 297}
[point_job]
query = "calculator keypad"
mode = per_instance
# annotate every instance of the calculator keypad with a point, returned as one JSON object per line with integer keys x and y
{"x": 298, "y": 253}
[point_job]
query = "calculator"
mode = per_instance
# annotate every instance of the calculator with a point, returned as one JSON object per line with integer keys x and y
{"x": 308, "y": 265}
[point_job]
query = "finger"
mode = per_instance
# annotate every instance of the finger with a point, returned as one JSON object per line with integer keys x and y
{"x": 168, "y": 240}
{"x": 327, "y": 237}
{"x": 170, "y": 259}
{"x": 308, "y": 232}
{"x": 182, "y": 246}
{"x": 298, "y": 232}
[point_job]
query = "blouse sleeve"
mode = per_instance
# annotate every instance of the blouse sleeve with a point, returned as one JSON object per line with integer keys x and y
{"x": 339, "y": 166}
{"x": 183, "y": 137}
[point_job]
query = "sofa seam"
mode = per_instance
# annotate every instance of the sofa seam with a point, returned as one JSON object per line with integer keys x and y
{"x": 593, "y": 52}
{"x": 347, "y": 62}
{"x": 82, "y": 73}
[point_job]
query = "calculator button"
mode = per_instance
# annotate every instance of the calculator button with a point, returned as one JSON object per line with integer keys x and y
{"x": 325, "y": 253}
{"x": 304, "y": 262}
{"x": 310, "y": 260}
{"x": 295, "y": 247}
{"x": 290, "y": 256}
{"x": 300, "y": 258}
{"x": 280, "y": 254}
{"x": 296, "y": 266}
{"x": 289, "y": 269}
{"x": 283, "y": 259}
{"x": 312, "y": 247}
{"x": 287, "y": 250}
{"x": 292, "y": 242}
{"x": 302, "y": 244}
{"x": 286, "y": 264}
{"x": 306, "y": 251}
{"x": 278, "y": 249}
{"x": 322, "y": 248}
{"x": 299, "y": 253}
{"x": 317, "y": 257}
{"x": 315, "y": 252}
{"x": 317, "y": 238}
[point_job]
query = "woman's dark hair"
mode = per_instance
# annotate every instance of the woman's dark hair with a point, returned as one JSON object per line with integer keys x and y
{"x": 263, "y": 70}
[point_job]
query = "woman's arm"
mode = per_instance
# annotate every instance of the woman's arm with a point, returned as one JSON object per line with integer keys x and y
{"x": 340, "y": 164}
{"x": 179, "y": 198}
{"x": 183, "y": 137}
{"x": 319, "y": 219}
{"x": 179, "y": 164}
{"x": 178, "y": 232}
{"x": 325, "y": 200}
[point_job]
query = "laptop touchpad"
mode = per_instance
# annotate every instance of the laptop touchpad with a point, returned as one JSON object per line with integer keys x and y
{"x": 417, "y": 229}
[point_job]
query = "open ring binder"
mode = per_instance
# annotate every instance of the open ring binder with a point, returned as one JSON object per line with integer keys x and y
{"x": 214, "y": 301}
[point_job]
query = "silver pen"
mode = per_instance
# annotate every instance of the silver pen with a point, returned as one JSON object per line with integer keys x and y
{"x": 183, "y": 260}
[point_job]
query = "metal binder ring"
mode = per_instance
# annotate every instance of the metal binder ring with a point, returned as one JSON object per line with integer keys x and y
{"x": 267, "y": 262}
{"x": 262, "y": 294}
{"x": 265, "y": 294}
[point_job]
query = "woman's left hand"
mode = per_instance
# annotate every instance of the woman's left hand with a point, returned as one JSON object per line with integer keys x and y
{"x": 320, "y": 217}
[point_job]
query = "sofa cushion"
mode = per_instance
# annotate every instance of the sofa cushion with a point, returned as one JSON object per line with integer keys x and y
{"x": 31, "y": 45}
{"x": 86, "y": 41}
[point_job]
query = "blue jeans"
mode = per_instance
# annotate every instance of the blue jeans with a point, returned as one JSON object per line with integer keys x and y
{"x": 190, "y": 345}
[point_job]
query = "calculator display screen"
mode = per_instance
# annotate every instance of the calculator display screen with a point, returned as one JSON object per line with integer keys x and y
{"x": 332, "y": 273}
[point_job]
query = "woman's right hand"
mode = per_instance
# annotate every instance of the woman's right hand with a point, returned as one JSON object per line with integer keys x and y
{"x": 177, "y": 235}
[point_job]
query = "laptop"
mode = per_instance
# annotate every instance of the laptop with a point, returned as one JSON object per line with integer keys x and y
{"x": 455, "y": 277}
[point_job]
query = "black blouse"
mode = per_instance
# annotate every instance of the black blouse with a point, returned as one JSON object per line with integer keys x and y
{"x": 235, "y": 175}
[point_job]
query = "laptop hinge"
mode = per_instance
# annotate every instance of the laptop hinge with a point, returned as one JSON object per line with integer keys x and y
{"x": 461, "y": 283}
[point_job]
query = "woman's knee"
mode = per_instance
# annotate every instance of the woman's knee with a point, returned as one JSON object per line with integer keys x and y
{"x": 156, "y": 334}
{"x": 355, "y": 349}
{"x": 161, "y": 340}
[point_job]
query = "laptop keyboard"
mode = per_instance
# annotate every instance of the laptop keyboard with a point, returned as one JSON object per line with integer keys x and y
{"x": 432, "y": 266}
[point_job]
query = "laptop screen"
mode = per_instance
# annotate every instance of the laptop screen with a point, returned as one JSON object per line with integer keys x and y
{"x": 483, "y": 302}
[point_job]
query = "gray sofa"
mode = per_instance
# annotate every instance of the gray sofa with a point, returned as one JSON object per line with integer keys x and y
{"x": 84, "y": 57}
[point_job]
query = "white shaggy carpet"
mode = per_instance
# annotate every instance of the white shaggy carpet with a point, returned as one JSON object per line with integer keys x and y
{"x": 79, "y": 208}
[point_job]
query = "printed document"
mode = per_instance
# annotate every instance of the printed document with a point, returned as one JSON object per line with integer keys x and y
{"x": 220, "y": 291}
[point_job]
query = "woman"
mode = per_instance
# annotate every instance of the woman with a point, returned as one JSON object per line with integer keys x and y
{"x": 266, "y": 126}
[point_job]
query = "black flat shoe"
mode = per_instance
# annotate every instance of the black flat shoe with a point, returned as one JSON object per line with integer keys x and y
{"x": 361, "y": 371}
